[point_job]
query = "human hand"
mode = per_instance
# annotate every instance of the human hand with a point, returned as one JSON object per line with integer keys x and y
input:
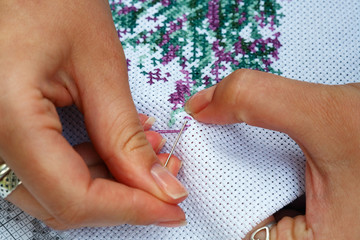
{"x": 324, "y": 120}
{"x": 58, "y": 53}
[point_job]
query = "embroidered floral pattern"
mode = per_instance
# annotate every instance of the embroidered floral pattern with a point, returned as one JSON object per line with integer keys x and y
{"x": 222, "y": 35}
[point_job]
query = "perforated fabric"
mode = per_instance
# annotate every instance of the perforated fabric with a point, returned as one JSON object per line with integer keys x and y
{"x": 237, "y": 175}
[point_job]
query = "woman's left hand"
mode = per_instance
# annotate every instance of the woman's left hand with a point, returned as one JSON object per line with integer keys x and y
{"x": 59, "y": 53}
{"x": 324, "y": 120}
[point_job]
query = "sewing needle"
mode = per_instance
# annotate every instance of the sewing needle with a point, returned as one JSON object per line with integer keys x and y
{"x": 176, "y": 141}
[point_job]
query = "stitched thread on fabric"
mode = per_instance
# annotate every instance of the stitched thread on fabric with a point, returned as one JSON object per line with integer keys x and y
{"x": 212, "y": 30}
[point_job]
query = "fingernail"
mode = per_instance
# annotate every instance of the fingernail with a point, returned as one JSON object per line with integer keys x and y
{"x": 172, "y": 224}
{"x": 149, "y": 122}
{"x": 199, "y": 101}
{"x": 161, "y": 145}
{"x": 168, "y": 183}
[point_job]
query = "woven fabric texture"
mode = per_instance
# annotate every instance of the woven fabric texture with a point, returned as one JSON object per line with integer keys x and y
{"x": 237, "y": 175}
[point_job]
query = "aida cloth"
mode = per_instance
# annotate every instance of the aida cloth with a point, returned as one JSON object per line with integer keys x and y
{"x": 237, "y": 175}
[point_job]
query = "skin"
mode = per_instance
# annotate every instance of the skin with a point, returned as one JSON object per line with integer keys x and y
{"x": 58, "y": 53}
{"x": 323, "y": 120}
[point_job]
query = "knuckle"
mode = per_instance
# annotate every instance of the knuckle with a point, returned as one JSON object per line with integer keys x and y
{"x": 54, "y": 224}
{"x": 235, "y": 87}
{"x": 68, "y": 216}
{"x": 135, "y": 140}
{"x": 241, "y": 91}
{"x": 293, "y": 229}
{"x": 285, "y": 229}
{"x": 131, "y": 137}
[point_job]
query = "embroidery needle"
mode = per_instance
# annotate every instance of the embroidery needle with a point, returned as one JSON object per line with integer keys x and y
{"x": 176, "y": 141}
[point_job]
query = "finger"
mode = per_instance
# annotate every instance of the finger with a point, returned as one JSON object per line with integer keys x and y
{"x": 260, "y": 99}
{"x": 76, "y": 200}
{"x": 291, "y": 228}
{"x": 25, "y": 201}
{"x": 305, "y": 111}
{"x": 88, "y": 153}
{"x": 136, "y": 207}
{"x": 111, "y": 117}
{"x": 156, "y": 140}
{"x": 174, "y": 163}
{"x": 96, "y": 164}
{"x": 146, "y": 121}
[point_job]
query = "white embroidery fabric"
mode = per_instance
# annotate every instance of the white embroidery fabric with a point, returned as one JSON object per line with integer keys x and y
{"x": 238, "y": 175}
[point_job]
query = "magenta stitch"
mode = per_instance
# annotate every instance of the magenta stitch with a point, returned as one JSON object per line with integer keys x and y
{"x": 173, "y": 28}
{"x": 267, "y": 63}
{"x": 207, "y": 80}
{"x": 168, "y": 131}
{"x": 243, "y": 18}
{"x": 152, "y": 18}
{"x": 182, "y": 88}
{"x": 222, "y": 56}
{"x": 183, "y": 62}
{"x": 272, "y": 24}
{"x": 238, "y": 47}
{"x": 156, "y": 76}
{"x": 263, "y": 23}
{"x": 170, "y": 55}
{"x": 213, "y": 14}
{"x": 178, "y": 97}
{"x": 165, "y": 40}
{"x": 253, "y": 47}
{"x": 165, "y": 3}
{"x": 121, "y": 33}
{"x": 126, "y": 10}
{"x": 175, "y": 130}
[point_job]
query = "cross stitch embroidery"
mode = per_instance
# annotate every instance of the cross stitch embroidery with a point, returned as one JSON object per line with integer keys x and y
{"x": 223, "y": 36}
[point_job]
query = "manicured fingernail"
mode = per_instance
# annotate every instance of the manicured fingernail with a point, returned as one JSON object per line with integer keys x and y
{"x": 172, "y": 224}
{"x": 199, "y": 101}
{"x": 149, "y": 122}
{"x": 168, "y": 183}
{"x": 161, "y": 145}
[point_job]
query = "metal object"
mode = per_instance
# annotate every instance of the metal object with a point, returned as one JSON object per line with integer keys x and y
{"x": 8, "y": 180}
{"x": 176, "y": 141}
{"x": 4, "y": 170}
{"x": 266, "y": 228}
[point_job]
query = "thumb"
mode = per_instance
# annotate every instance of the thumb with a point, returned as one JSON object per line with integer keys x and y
{"x": 111, "y": 118}
{"x": 259, "y": 99}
